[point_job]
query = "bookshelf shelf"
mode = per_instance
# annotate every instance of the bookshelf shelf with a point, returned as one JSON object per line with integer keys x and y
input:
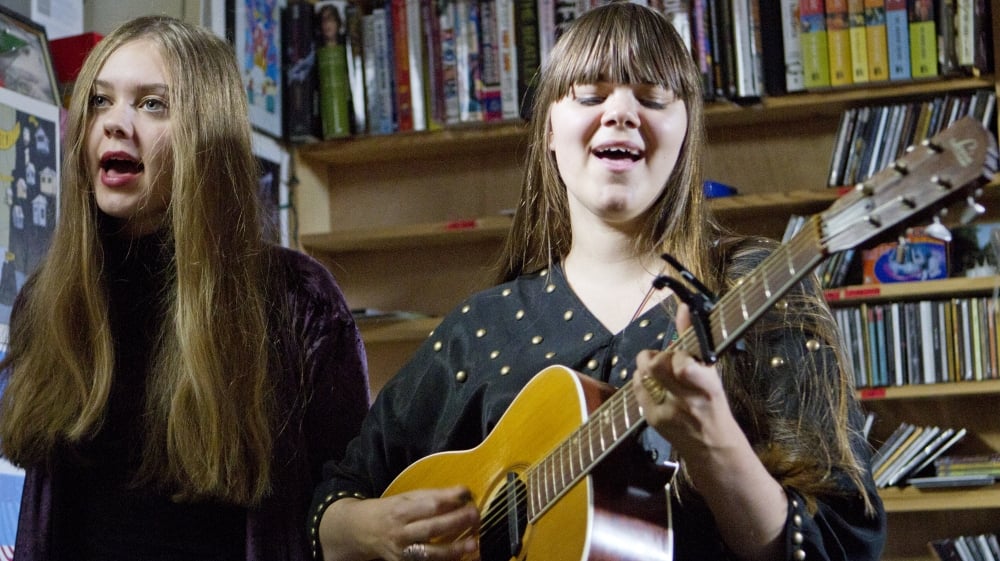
{"x": 911, "y": 499}
{"x": 931, "y": 391}
{"x": 468, "y": 139}
{"x": 736, "y": 210}
{"x": 944, "y": 288}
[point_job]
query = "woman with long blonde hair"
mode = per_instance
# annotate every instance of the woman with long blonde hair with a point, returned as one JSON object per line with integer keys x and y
{"x": 173, "y": 381}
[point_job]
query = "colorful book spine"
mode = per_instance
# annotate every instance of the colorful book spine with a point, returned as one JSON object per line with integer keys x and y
{"x": 433, "y": 84}
{"x": 701, "y": 39}
{"x": 447, "y": 16}
{"x": 897, "y": 32}
{"x": 815, "y": 59}
{"x": 923, "y": 39}
{"x": 378, "y": 82}
{"x": 506, "y": 30}
{"x": 489, "y": 88}
{"x": 857, "y": 31}
{"x": 399, "y": 44}
{"x": 877, "y": 45}
{"x": 838, "y": 41}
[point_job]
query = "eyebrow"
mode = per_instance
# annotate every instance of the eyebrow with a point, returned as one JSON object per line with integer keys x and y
{"x": 156, "y": 87}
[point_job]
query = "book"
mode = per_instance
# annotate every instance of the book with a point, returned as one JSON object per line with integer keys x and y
{"x": 488, "y": 86}
{"x": 857, "y": 30}
{"x": 447, "y": 19}
{"x": 378, "y": 72}
{"x": 947, "y": 58}
{"x": 356, "y": 67}
{"x": 838, "y": 41}
{"x": 301, "y": 111}
{"x": 923, "y": 39}
{"x": 528, "y": 51}
{"x": 399, "y": 47}
{"x": 812, "y": 36}
{"x": 791, "y": 44}
{"x": 416, "y": 64}
{"x": 876, "y": 41}
{"x": 944, "y": 550}
{"x": 892, "y": 475}
{"x": 433, "y": 64}
{"x": 897, "y": 32}
{"x": 748, "y": 66}
{"x": 701, "y": 44}
{"x": 467, "y": 60}
{"x": 331, "y": 66}
{"x": 506, "y": 29}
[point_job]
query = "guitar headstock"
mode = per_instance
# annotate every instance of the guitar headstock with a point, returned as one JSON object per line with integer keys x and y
{"x": 936, "y": 174}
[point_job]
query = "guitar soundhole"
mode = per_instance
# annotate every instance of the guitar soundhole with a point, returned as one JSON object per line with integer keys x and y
{"x": 504, "y": 522}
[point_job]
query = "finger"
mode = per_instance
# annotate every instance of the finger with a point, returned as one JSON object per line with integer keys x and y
{"x": 683, "y": 319}
{"x": 464, "y": 548}
{"x": 460, "y": 522}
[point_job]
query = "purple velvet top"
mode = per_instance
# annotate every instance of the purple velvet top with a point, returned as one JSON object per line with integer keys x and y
{"x": 322, "y": 397}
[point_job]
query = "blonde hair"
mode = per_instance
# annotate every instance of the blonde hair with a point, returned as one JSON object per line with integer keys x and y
{"x": 209, "y": 402}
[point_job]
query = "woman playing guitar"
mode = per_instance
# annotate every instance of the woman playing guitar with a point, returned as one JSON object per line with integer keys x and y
{"x": 772, "y": 463}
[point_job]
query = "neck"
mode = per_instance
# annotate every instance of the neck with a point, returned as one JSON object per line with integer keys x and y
{"x": 611, "y": 279}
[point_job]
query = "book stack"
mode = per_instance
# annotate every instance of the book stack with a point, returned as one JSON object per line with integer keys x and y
{"x": 982, "y": 547}
{"x": 910, "y": 449}
{"x": 973, "y": 465}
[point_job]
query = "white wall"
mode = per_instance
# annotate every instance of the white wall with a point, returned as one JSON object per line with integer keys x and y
{"x": 101, "y": 16}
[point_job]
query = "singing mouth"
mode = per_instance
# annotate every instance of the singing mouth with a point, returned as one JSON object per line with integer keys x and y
{"x": 121, "y": 162}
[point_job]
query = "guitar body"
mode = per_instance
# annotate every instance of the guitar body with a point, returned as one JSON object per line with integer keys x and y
{"x": 599, "y": 518}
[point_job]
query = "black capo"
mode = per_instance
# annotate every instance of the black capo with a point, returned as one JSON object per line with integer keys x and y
{"x": 700, "y": 301}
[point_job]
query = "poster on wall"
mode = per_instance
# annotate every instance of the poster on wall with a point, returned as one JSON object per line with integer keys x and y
{"x": 273, "y": 188}
{"x": 257, "y": 41}
{"x": 29, "y": 190}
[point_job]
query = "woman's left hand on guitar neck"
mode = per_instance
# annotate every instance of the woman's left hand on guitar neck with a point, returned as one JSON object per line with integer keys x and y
{"x": 685, "y": 402}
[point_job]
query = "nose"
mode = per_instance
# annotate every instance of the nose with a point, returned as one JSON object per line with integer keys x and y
{"x": 117, "y": 120}
{"x": 622, "y": 109}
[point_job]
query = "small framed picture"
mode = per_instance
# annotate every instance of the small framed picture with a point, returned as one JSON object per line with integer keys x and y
{"x": 256, "y": 33}
{"x": 25, "y": 59}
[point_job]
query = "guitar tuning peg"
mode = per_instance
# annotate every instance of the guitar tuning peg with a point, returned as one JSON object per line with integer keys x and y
{"x": 972, "y": 211}
{"x": 938, "y": 230}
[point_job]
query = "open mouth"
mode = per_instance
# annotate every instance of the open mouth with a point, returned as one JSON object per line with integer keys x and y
{"x": 121, "y": 163}
{"x": 618, "y": 153}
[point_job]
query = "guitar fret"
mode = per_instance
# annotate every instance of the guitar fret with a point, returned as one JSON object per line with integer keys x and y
{"x": 767, "y": 286}
{"x": 791, "y": 264}
{"x": 741, "y": 289}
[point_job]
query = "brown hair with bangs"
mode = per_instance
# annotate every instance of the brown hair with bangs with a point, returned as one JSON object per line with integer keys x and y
{"x": 628, "y": 44}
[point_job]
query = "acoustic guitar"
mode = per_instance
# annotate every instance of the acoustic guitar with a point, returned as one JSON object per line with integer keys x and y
{"x": 538, "y": 477}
